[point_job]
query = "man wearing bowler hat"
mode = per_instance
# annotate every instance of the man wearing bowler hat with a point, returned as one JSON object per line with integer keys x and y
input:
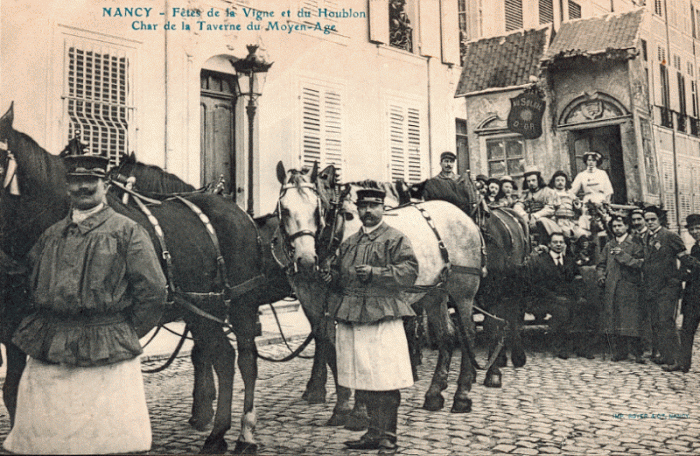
{"x": 370, "y": 275}
{"x": 96, "y": 288}
{"x": 451, "y": 187}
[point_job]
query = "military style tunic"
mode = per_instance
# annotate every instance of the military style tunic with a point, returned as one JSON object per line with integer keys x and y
{"x": 370, "y": 340}
{"x": 96, "y": 287}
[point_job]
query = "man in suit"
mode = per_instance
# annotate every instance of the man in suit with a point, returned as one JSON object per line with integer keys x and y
{"x": 690, "y": 307}
{"x": 555, "y": 281}
{"x": 661, "y": 284}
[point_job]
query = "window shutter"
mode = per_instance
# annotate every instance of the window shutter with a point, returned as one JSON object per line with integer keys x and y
{"x": 379, "y": 21}
{"x": 574, "y": 10}
{"x": 669, "y": 190}
{"x": 98, "y": 98}
{"x": 546, "y": 8}
{"x": 684, "y": 189}
{"x": 405, "y": 143}
{"x": 450, "y": 31}
{"x": 321, "y": 127}
{"x": 514, "y": 14}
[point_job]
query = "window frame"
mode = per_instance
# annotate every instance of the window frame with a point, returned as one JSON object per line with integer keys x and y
{"x": 504, "y": 139}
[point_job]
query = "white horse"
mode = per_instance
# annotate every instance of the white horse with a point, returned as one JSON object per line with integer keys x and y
{"x": 446, "y": 242}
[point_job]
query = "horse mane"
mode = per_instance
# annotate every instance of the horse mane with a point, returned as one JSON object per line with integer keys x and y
{"x": 153, "y": 179}
{"x": 39, "y": 172}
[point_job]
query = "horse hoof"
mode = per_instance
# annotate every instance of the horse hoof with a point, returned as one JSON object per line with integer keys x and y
{"x": 339, "y": 418}
{"x": 200, "y": 424}
{"x": 434, "y": 403}
{"x": 519, "y": 358}
{"x": 492, "y": 381}
{"x": 214, "y": 446}
{"x": 461, "y": 406}
{"x": 357, "y": 423}
{"x": 245, "y": 448}
{"x": 316, "y": 397}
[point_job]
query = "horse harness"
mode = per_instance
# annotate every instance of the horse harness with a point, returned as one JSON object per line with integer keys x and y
{"x": 184, "y": 298}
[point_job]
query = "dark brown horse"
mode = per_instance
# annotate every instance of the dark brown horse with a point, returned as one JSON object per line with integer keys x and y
{"x": 42, "y": 201}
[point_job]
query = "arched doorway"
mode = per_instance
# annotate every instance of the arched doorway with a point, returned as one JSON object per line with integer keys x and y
{"x": 217, "y": 123}
{"x": 598, "y": 122}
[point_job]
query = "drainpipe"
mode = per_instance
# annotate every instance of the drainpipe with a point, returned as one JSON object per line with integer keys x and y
{"x": 165, "y": 89}
{"x": 673, "y": 130}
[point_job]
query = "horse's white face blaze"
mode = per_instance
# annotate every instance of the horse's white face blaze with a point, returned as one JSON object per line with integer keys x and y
{"x": 299, "y": 213}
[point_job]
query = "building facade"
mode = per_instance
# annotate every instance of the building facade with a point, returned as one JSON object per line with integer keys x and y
{"x": 631, "y": 92}
{"x": 364, "y": 85}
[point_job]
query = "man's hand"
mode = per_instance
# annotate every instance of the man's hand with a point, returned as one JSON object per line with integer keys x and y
{"x": 364, "y": 272}
{"x": 601, "y": 282}
{"x": 325, "y": 275}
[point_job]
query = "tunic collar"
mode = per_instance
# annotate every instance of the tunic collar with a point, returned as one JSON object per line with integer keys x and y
{"x": 375, "y": 232}
{"x": 621, "y": 239}
{"x": 448, "y": 176}
{"x": 93, "y": 221}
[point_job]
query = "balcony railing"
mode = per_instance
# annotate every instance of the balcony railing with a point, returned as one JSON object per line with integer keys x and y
{"x": 694, "y": 126}
{"x": 681, "y": 122}
{"x": 666, "y": 117}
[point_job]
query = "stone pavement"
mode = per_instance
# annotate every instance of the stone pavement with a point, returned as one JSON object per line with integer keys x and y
{"x": 550, "y": 406}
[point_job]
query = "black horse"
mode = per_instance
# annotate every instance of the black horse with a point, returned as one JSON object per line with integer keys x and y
{"x": 43, "y": 200}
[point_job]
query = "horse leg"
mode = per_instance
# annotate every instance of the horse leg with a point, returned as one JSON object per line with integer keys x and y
{"x": 435, "y": 305}
{"x": 216, "y": 347}
{"x": 315, "y": 392}
{"x": 462, "y": 288}
{"x": 204, "y": 391}
{"x": 16, "y": 360}
{"x": 515, "y": 314}
{"x": 248, "y": 365}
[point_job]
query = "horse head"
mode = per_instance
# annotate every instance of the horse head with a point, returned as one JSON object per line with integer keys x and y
{"x": 305, "y": 200}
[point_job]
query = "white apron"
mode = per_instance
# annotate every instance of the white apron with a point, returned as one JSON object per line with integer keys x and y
{"x": 373, "y": 357}
{"x": 80, "y": 410}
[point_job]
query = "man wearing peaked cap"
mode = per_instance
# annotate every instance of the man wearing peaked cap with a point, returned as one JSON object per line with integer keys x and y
{"x": 369, "y": 276}
{"x": 96, "y": 282}
{"x": 451, "y": 187}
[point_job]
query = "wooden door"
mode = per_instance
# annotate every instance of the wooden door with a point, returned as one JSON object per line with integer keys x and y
{"x": 217, "y": 102}
{"x": 606, "y": 141}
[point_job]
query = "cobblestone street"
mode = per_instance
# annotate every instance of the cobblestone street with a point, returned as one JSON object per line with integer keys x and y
{"x": 550, "y": 406}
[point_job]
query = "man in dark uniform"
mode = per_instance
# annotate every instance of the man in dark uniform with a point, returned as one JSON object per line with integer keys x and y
{"x": 373, "y": 268}
{"x": 690, "y": 307}
{"x": 661, "y": 284}
{"x": 555, "y": 281}
{"x": 96, "y": 287}
{"x": 451, "y": 187}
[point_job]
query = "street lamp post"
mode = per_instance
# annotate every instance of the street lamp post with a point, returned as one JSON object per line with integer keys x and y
{"x": 251, "y": 74}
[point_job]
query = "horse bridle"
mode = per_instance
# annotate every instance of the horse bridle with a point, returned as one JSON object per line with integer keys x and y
{"x": 326, "y": 218}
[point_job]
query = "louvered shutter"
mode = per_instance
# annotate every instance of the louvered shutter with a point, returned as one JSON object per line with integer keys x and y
{"x": 669, "y": 190}
{"x": 405, "y": 143}
{"x": 514, "y": 14}
{"x": 546, "y": 8}
{"x": 321, "y": 126}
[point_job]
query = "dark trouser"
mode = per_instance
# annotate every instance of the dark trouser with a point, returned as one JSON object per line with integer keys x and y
{"x": 691, "y": 318}
{"x": 624, "y": 345}
{"x": 573, "y": 325}
{"x": 662, "y": 306}
{"x": 383, "y": 411}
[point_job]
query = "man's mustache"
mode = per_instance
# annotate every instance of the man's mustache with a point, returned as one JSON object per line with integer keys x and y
{"x": 84, "y": 192}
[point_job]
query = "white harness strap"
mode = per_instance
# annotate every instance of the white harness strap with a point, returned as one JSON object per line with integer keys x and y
{"x": 11, "y": 175}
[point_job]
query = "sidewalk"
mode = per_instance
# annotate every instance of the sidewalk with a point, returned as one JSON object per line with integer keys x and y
{"x": 293, "y": 322}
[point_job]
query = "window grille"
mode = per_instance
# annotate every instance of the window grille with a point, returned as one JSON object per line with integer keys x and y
{"x": 658, "y": 8}
{"x": 514, "y": 14}
{"x": 677, "y": 61}
{"x": 98, "y": 97}
{"x": 574, "y": 10}
{"x": 405, "y": 143}
{"x": 506, "y": 156}
{"x": 546, "y": 8}
{"x": 321, "y": 127}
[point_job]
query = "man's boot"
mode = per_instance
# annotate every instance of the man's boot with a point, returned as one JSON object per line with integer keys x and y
{"x": 370, "y": 440}
{"x": 562, "y": 345}
{"x": 387, "y": 420}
